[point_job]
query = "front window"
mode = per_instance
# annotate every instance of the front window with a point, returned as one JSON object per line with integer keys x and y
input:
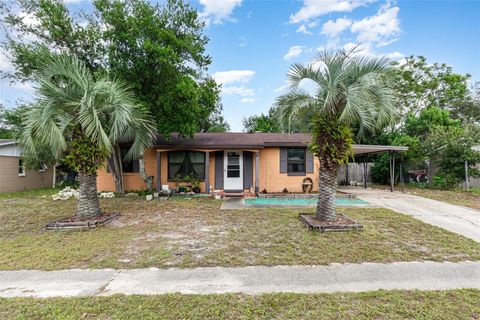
{"x": 186, "y": 163}
{"x": 21, "y": 168}
{"x": 127, "y": 165}
{"x": 296, "y": 160}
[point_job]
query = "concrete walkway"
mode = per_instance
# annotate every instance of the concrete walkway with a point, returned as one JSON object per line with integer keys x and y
{"x": 458, "y": 219}
{"x": 249, "y": 280}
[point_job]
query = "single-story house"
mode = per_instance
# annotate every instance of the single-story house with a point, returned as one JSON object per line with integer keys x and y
{"x": 13, "y": 174}
{"x": 230, "y": 162}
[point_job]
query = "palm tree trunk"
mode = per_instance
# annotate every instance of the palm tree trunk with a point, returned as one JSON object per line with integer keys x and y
{"x": 143, "y": 174}
{"x": 87, "y": 204}
{"x": 327, "y": 189}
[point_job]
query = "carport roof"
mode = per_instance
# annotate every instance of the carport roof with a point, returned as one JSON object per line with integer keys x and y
{"x": 259, "y": 140}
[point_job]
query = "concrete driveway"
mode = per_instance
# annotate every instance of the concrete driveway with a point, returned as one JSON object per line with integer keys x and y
{"x": 458, "y": 219}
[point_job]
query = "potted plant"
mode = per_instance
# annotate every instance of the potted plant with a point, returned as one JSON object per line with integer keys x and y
{"x": 187, "y": 181}
{"x": 195, "y": 185}
{"x": 176, "y": 179}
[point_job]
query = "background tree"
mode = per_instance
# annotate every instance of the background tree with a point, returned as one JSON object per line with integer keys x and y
{"x": 81, "y": 119}
{"x": 429, "y": 95}
{"x": 420, "y": 84}
{"x": 349, "y": 90}
{"x": 262, "y": 122}
{"x": 159, "y": 50}
{"x": 449, "y": 147}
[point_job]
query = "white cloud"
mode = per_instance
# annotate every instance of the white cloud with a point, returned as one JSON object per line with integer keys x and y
{"x": 367, "y": 50}
{"x": 238, "y": 90}
{"x": 382, "y": 28}
{"x": 217, "y": 11}
{"x": 315, "y": 8}
{"x": 234, "y": 82}
{"x": 304, "y": 27}
{"x": 232, "y": 76}
{"x": 247, "y": 100}
{"x": 293, "y": 52}
{"x": 283, "y": 87}
{"x": 5, "y": 62}
{"x": 333, "y": 28}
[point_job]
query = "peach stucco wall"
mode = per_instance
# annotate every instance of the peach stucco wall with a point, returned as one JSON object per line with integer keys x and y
{"x": 273, "y": 181}
{"x": 133, "y": 181}
{"x": 269, "y": 164}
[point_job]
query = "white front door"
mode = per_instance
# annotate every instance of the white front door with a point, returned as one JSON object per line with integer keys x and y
{"x": 233, "y": 170}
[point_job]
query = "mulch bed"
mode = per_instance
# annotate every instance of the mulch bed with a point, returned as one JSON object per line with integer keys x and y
{"x": 342, "y": 223}
{"x": 76, "y": 223}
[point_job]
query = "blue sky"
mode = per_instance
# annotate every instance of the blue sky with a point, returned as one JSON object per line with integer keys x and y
{"x": 253, "y": 43}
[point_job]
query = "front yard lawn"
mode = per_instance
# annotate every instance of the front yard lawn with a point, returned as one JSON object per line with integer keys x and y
{"x": 196, "y": 233}
{"x": 459, "y": 197}
{"x": 455, "y": 304}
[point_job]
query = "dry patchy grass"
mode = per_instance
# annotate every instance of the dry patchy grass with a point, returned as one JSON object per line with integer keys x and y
{"x": 195, "y": 233}
{"x": 459, "y": 197}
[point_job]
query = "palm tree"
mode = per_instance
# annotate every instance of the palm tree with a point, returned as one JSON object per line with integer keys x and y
{"x": 350, "y": 90}
{"x": 81, "y": 119}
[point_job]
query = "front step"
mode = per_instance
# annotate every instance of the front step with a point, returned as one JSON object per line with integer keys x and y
{"x": 237, "y": 194}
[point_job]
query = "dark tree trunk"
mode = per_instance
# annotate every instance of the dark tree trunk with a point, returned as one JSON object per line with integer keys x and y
{"x": 88, "y": 204}
{"x": 117, "y": 171}
{"x": 327, "y": 189}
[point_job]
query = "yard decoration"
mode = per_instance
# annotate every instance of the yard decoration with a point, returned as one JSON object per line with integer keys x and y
{"x": 350, "y": 90}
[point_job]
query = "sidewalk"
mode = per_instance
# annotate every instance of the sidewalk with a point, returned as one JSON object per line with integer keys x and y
{"x": 249, "y": 280}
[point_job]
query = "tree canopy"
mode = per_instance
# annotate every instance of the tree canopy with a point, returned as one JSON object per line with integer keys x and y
{"x": 158, "y": 50}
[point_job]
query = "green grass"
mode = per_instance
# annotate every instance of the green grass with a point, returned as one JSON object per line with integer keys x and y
{"x": 455, "y": 304}
{"x": 196, "y": 233}
{"x": 459, "y": 197}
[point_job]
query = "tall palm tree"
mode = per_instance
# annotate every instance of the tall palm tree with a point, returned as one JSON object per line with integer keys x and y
{"x": 350, "y": 90}
{"x": 80, "y": 119}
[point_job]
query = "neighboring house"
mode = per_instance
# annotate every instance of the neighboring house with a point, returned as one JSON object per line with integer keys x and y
{"x": 13, "y": 174}
{"x": 230, "y": 162}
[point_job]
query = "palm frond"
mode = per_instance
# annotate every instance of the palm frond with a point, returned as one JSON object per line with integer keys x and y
{"x": 71, "y": 99}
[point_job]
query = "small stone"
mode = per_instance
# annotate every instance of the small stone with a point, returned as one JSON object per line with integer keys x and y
{"x": 149, "y": 197}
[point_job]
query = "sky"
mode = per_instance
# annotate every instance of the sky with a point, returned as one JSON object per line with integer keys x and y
{"x": 253, "y": 43}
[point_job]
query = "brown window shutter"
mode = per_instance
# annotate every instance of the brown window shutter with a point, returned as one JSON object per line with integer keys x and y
{"x": 283, "y": 160}
{"x": 309, "y": 161}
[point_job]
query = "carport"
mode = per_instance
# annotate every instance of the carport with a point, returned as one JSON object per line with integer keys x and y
{"x": 363, "y": 151}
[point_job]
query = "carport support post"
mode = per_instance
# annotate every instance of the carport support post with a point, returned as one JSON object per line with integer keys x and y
{"x": 467, "y": 184}
{"x": 159, "y": 180}
{"x": 257, "y": 171}
{"x": 401, "y": 174}
{"x": 346, "y": 174}
{"x": 207, "y": 172}
{"x": 365, "y": 171}
{"x": 392, "y": 171}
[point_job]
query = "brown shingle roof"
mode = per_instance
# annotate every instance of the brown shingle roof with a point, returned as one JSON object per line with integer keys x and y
{"x": 235, "y": 140}
{"x": 244, "y": 140}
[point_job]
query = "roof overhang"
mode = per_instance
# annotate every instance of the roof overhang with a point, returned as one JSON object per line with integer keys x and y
{"x": 359, "y": 149}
